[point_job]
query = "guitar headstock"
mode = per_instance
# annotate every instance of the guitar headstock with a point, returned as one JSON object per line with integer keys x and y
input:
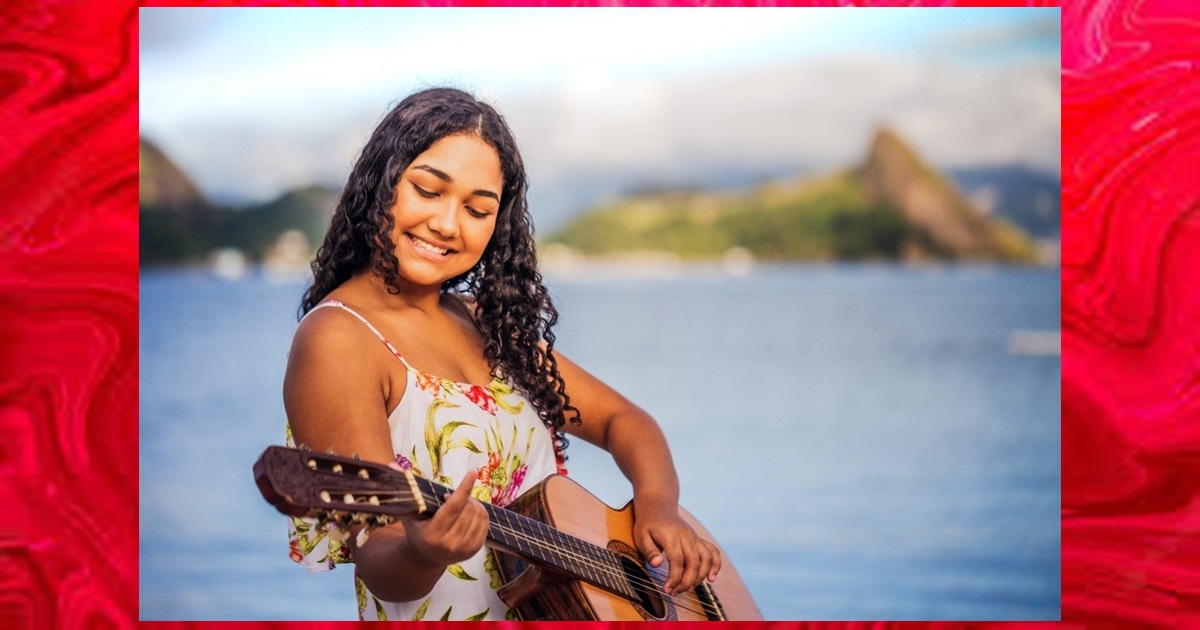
{"x": 334, "y": 488}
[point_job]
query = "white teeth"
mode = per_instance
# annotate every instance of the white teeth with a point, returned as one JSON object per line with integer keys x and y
{"x": 427, "y": 246}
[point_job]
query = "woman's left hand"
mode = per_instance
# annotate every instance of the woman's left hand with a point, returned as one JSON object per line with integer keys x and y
{"x": 661, "y": 534}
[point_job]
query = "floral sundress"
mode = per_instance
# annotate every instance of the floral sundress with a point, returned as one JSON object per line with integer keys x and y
{"x": 440, "y": 430}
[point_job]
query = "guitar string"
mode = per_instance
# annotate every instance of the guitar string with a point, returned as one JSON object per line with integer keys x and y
{"x": 615, "y": 572}
{"x": 606, "y": 569}
{"x": 607, "y": 560}
{"x": 618, "y": 574}
{"x": 572, "y": 552}
{"x": 575, "y": 546}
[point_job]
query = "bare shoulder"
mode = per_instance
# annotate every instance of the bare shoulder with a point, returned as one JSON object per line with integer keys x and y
{"x": 337, "y": 384}
{"x": 328, "y": 331}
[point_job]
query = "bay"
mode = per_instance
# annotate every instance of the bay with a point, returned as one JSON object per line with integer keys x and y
{"x": 863, "y": 440}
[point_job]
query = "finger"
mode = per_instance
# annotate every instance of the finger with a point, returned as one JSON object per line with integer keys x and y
{"x": 465, "y": 486}
{"x": 649, "y": 549}
{"x": 716, "y": 563}
{"x": 481, "y": 529}
{"x": 691, "y": 562}
{"x": 704, "y": 553}
{"x": 459, "y": 505}
{"x": 454, "y": 501}
{"x": 469, "y": 531}
{"x": 673, "y": 550}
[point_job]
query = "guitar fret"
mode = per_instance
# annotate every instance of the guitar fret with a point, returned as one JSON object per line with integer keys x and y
{"x": 576, "y": 557}
{"x": 341, "y": 489}
{"x": 539, "y": 541}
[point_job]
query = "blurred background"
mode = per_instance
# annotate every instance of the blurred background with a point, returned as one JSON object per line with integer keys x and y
{"x": 820, "y": 246}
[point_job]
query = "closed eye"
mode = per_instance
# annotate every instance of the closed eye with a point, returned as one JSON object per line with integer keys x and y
{"x": 475, "y": 213}
{"x": 424, "y": 193}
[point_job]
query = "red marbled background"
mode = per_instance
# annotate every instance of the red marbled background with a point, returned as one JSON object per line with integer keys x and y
{"x": 1131, "y": 314}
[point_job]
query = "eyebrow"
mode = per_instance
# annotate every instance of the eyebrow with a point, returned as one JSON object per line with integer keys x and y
{"x": 446, "y": 178}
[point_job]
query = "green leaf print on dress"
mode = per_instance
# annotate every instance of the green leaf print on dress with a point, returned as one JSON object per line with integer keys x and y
{"x": 436, "y": 442}
{"x": 489, "y": 566}
{"x": 499, "y": 390}
{"x": 305, "y": 534}
{"x": 360, "y": 594}
{"x": 459, "y": 572}
{"x": 420, "y": 614}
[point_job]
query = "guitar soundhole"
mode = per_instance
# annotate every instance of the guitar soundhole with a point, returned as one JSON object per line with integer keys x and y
{"x": 650, "y": 600}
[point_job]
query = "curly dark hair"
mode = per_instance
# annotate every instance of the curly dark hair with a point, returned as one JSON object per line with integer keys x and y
{"x": 514, "y": 311}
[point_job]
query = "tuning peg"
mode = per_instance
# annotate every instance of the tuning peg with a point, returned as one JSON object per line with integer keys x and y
{"x": 329, "y": 451}
{"x": 304, "y": 447}
{"x": 337, "y": 469}
{"x": 378, "y": 520}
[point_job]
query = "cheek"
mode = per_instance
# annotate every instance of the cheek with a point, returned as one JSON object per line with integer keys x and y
{"x": 484, "y": 234}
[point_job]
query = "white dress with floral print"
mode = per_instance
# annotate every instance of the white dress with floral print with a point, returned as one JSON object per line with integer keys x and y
{"x": 441, "y": 430}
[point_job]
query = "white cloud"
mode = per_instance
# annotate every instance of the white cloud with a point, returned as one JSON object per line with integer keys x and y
{"x": 670, "y": 102}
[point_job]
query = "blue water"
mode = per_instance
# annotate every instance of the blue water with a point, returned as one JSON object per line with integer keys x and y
{"x": 860, "y": 439}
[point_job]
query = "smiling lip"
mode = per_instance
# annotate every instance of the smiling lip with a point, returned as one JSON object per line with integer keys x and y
{"x": 427, "y": 249}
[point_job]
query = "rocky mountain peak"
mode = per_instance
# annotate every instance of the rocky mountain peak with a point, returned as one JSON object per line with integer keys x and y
{"x": 162, "y": 185}
{"x": 894, "y": 173}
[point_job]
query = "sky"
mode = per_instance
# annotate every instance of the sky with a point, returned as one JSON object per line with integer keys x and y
{"x": 254, "y": 102}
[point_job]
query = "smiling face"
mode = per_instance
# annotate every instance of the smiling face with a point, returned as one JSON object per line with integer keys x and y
{"x": 445, "y": 211}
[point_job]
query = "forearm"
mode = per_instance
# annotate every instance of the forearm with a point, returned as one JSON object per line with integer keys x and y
{"x": 393, "y": 569}
{"x": 640, "y": 450}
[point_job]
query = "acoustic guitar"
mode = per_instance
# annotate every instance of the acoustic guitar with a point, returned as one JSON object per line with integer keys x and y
{"x": 564, "y": 554}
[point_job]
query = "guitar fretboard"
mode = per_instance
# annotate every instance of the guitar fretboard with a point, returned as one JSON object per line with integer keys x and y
{"x": 539, "y": 543}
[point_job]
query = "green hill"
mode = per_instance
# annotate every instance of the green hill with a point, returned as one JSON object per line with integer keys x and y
{"x": 174, "y": 219}
{"x": 255, "y": 229}
{"x": 178, "y": 226}
{"x": 892, "y": 207}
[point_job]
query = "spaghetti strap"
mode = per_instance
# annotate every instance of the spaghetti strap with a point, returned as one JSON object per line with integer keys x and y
{"x": 363, "y": 320}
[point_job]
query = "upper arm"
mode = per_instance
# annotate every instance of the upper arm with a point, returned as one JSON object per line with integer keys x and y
{"x": 599, "y": 405}
{"x": 335, "y": 391}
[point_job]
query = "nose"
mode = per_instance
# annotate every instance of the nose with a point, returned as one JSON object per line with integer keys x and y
{"x": 444, "y": 220}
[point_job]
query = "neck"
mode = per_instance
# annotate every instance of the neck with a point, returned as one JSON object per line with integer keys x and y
{"x": 422, "y": 298}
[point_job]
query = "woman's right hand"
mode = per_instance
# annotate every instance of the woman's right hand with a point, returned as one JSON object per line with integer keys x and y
{"x": 456, "y": 531}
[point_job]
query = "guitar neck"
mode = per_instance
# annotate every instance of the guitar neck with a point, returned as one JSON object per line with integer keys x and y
{"x": 543, "y": 545}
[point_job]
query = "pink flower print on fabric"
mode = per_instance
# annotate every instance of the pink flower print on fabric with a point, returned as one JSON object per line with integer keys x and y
{"x": 482, "y": 397}
{"x": 514, "y": 485}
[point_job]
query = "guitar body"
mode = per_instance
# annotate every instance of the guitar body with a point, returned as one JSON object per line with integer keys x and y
{"x": 540, "y": 593}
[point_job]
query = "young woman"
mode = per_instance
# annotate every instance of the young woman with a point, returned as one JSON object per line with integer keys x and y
{"x": 431, "y": 252}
